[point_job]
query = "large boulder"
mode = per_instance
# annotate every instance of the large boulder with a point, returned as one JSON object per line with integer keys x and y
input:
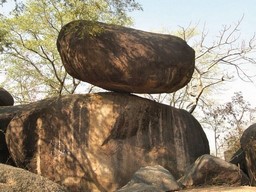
{"x": 151, "y": 178}
{"x": 16, "y": 179}
{"x": 4, "y": 152}
{"x": 6, "y": 98}
{"x": 209, "y": 170}
{"x": 96, "y": 142}
{"x": 248, "y": 145}
{"x": 124, "y": 59}
{"x": 6, "y": 114}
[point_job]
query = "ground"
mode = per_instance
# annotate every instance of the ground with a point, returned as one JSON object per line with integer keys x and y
{"x": 222, "y": 189}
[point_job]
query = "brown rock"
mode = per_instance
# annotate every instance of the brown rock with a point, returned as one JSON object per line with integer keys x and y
{"x": 6, "y": 114}
{"x": 96, "y": 142}
{"x": 238, "y": 159}
{"x": 210, "y": 170}
{"x": 15, "y": 179}
{"x": 125, "y": 60}
{"x": 6, "y": 98}
{"x": 248, "y": 145}
{"x": 155, "y": 178}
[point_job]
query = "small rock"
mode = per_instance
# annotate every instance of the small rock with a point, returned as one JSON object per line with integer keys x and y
{"x": 151, "y": 178}
{"x": 15, "y": 179}
{"x": 210, "y": 170}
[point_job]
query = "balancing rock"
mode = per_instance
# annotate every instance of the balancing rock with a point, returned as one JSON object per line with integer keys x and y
{"x": 124, "y": 59}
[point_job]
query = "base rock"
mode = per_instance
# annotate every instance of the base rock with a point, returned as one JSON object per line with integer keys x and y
{"x": 96, "y": 142}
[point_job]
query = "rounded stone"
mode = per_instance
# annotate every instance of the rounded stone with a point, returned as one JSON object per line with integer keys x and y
{"x": 124, "y": 59}
{"x": 6, "y": 98}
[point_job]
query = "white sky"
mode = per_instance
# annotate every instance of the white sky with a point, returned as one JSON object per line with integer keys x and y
{"x": 170, "y": 14}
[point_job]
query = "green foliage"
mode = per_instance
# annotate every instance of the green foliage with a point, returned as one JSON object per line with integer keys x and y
{"x": 28, "y": 43}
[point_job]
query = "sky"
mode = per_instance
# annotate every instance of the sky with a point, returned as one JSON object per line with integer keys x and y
{"x": 169, "y": 15}
{"x": 215, "y": 13}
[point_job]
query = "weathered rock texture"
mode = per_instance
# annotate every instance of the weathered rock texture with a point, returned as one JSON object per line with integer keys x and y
{"x": 124, "y": 59}
{"x": 6, "y": 114}
{"x": 248, "y": 145}
{"x": 239, "y": 160}
{"x": 153, "y": 178}
{"x": 209, "y": 170}
{"x": 6, "y": 98}
{"x": 96, "y": 142}
{"x": 14, "y": 179}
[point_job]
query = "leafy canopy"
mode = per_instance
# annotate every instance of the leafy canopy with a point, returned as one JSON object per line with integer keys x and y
{"x": 28, "y": 43}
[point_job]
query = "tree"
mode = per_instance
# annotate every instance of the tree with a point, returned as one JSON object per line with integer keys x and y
{"x": 216, "y": 63}
{"x": 28, "y": 38}
{"x": 228, "y": 121}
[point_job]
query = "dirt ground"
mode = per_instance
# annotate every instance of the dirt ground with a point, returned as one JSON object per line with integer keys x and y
{"x": 222, "y": 189}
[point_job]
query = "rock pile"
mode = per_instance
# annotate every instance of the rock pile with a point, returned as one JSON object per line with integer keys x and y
{"x": 96, "y": 142}
{"x": 206, "y": 171}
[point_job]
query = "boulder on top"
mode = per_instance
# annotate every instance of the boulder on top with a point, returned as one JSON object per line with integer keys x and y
{"x": 6, "y": 98}
{"x": 96, "y": 142}
{"x": 124, "y": 59}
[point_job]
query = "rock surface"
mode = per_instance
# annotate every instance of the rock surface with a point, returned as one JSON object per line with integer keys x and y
{"x": 6, "y": 114}
{"x": 6, "y": 98}
{"x": 239, "y": 160}
{"x": 155, "y": 178}
{"x": 125, "y": 60}
{"x": 210, "y": 170}
{"x": 15, "y": 179}
{"x": 248, "y": 145}
{"x": 96, "y": 142}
